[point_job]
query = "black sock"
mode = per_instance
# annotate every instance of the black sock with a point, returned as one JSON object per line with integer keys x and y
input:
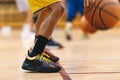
{"x": 39, "y": 45}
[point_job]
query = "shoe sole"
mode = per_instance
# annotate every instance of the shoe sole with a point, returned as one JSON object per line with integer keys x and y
{"x": 42, "y": 70}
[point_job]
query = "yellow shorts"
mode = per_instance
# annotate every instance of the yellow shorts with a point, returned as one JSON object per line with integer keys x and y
{"x": 37, "y": 5}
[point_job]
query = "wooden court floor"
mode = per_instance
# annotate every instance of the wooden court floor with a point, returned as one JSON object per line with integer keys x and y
{"x": 96, "y": 58}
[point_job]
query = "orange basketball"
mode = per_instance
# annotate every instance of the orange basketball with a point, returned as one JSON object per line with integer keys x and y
{"x": 102, "y": 14}
{"x": 86, "y": 27}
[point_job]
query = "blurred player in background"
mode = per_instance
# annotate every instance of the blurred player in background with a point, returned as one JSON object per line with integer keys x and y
{"x": 24, "y": 8}
{"x": 50, "y": 11}
{"x": 73, "y": 7}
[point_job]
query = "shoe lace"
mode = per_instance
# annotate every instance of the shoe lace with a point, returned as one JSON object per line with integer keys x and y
{"x": 42, "y": 57}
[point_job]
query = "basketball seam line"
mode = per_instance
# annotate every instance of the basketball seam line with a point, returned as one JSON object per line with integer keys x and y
{"x": 96, "y": 6}
{"x": 102, "y": 9}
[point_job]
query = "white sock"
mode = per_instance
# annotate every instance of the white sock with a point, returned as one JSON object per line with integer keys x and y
{"x": 68, "y": 25}
{"x": 68, "y": 28}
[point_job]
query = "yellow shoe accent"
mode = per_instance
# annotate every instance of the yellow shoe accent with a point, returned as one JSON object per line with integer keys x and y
{"x": 41, "y": 56}
{"x": 44, "y": 54}
{"x": 30, "y": 58}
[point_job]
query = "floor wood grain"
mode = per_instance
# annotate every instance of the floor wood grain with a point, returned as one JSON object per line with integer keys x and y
{"x": 96, "y": 58}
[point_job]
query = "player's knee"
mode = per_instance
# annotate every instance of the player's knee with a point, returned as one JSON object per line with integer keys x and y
{"x": 59, "y": 7}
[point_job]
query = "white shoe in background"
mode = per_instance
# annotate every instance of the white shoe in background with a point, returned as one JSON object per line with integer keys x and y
{"x": 26, "y": 31}
{"x": 6, "y": 31}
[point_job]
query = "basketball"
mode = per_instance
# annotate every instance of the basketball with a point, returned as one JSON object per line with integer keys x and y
{"x": 86, "y": 27}
{"x": 102, "y": 14}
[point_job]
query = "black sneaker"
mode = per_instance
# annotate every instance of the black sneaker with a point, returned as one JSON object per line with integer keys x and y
{"x": 40, "y": 65}
{"x": 51, "y": 44}
{"x": 68, "y": 37}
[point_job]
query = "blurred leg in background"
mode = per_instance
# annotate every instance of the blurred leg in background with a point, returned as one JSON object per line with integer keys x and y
{"x": 73, "y": 7}
{"x": 24, "y": 8}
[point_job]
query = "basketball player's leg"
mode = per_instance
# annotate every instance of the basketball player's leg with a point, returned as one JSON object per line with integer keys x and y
{"x": 52, "y": 16}
{"x": 38, "y": 19}
{"x": 42, "y": 15}
{"x": 46, "y": 25}
{"x": 45, "y": 30}
{"x": 51, "y": 44}
{"x": 49, "y": 23}
{"x": 71, "y": 13}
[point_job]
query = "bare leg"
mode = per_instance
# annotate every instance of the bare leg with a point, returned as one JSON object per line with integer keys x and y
{"x": 47, "y": 26}
{"x": 42, "y": 15}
